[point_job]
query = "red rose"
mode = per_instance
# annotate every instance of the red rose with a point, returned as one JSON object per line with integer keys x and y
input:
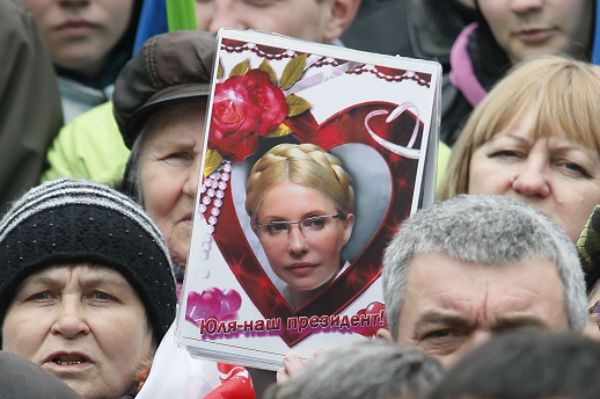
{"x": 244, "y": 107}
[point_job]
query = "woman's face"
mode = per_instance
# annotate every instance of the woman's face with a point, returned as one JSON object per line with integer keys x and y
{"x": 80, "y": 34}
{"x": 168, "y": 172}
{"x": 308, "y": 254}
{"x": 529, "y": 28}
{"x": 555, "y": 174}
{"x": 83, "y": 323}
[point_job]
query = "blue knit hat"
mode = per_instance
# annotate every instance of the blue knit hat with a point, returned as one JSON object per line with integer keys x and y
{"x": 69, "y": 221}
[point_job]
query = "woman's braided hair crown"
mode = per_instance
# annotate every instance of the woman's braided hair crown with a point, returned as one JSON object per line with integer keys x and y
{"x": 303, "y": 164}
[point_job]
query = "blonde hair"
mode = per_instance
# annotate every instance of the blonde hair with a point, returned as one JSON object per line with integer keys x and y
{"x": 566, "y": 94}
{"x": 304, "y": 164}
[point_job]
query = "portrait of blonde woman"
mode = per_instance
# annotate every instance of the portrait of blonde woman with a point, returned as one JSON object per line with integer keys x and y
{"x": 300, "y": 202}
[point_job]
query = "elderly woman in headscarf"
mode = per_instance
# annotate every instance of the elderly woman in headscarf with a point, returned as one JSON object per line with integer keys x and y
{"x": 160, "y": 107}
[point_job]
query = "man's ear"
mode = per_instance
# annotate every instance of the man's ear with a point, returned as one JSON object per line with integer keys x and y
{"x": 384, "y": 334}
{"x": 342, "y": 13}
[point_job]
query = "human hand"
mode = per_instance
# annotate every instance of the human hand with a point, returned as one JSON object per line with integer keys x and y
{"x": 293, "y": 364}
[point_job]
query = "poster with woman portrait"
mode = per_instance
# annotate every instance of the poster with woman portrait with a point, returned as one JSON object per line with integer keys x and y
{"x": 314, "y": 154}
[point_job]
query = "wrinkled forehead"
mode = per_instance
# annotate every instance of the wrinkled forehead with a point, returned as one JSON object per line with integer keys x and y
{"x": 81, "y": 273}
{"x": 437, "y": 268}
{"x": 457, "y": 287}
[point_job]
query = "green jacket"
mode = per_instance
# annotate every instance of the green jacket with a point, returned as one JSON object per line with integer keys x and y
{"x": 90, "y": 147}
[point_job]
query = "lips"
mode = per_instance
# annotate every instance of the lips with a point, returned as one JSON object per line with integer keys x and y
{"x": 75, "y": 27}
{"x": 67, "y": 360}
{"x": 75, "y": 23}
{"x": 301, "y": 268}
{"x": 535, "y": 35}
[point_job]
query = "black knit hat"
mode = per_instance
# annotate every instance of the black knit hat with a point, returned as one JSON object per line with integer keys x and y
{"x": 169, "y": 68}
{"x": 68, "y": 221}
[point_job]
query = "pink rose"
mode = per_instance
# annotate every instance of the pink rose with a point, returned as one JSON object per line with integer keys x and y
{"x": 244, "y": 107}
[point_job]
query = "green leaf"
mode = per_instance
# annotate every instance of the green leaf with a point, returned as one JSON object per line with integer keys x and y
{"x": 281, "y": 131}
{"x": 212, "y": 161}
{"x": 240, "y": 69}
{"x": 220, "y": 71}
{"x": 293, "y": 71}
{"x": 266, "y": 67}
{"x": 296, "y": 105}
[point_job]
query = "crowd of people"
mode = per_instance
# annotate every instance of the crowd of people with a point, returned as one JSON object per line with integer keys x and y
{"x": 491, "y": 292}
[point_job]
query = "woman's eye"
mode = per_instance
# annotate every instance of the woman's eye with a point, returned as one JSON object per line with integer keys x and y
{"x": 181, "y": 155}
{"x": 314, "y": 223}
{"x": 506, "y": 154}
{"x": 100, "y": 296}
{"x": 260, "y": 3}
{"x": 574, "y": 168}
{"x": 276, "y": 227}
{"x": 41, "y": 296}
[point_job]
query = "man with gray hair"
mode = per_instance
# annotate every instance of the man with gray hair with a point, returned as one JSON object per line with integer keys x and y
{"x": 466, "y": 268}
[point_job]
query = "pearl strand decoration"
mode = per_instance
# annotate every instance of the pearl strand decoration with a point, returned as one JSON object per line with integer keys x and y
{"x": 212, "y": 193}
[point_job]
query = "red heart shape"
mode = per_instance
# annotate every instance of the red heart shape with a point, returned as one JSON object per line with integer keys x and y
{"x": 346, "y": 126}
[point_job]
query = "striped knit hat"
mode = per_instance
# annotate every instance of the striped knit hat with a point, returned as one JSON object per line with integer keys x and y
{"x": 69, "y": 221}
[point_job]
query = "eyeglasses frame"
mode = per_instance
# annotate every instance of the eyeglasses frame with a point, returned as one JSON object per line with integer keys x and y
{"x": 338, "y": 215}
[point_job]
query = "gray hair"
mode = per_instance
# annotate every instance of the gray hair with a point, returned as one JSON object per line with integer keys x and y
{"x": 373, "y": 369}
{"x": 130, "y": 184}
{"x": 485, "y": 230}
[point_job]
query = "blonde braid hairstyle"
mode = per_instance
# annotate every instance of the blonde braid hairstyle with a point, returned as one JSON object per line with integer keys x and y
{"x": 303, "y": 164}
